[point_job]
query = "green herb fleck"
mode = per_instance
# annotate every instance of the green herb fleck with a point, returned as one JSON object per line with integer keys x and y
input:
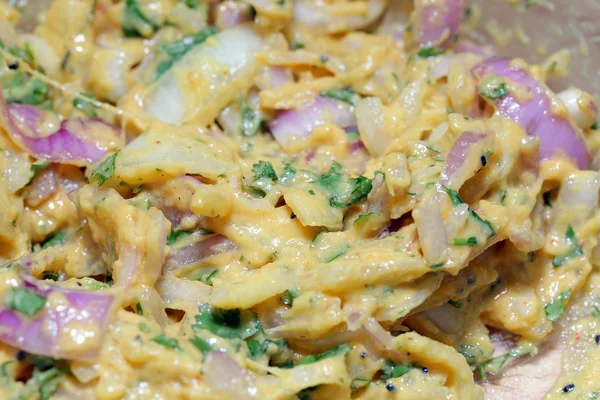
{"x": 105, "y": 169}
{"x": 427, "y": 52}
{"x": 493, "y": 88}
{"x": 58, "y": 238}
{"x": 336, "y": 254}
{"x": 391, "y": 370}
{"x": 288, "y": 297}
{"x": 201, "y": 345}
{"x": 251, "y": 119}
{"x": 81, "y": 103}
{"x": 342, "y": 349}
{"x": 24, "y": 301}
{"x": 138, "y": 309}
{"x": 227, "y": 324}
{"x": 51, "y": 275}
{"x": 346, "y": 95}
{"x": 555, "y": 309}
{"x": 167, "y": 342}
{"x": 135, "y": 23}
{"x": 288, "y": 174}
{"x": 470, "y": 241}
{"x": 169, "y": 54}
{"x": 574, "y": 251}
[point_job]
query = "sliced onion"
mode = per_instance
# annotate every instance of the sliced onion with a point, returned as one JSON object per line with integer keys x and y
{"x": 557, "y": 135}
{"x": 271, "y": 77}
{"x": 582, "y": 107}
{"x": 231, "y": 13}
{"x": 578, "y": 195}
{"x": 437, "y": 21}
{"x": 320, "y": 18}
{"x": 180, "y": 294}
{"x": 449, "y": 319}
{"x": 430, "y": 226}
{"x": 378, "y": 334}
{"x": 226, "y": 377}
{"x": 77, "y": 142}
{"x": 369, "y": 118}
{"x": 152, "y": 305}
{"x": 71, "y": 325}
{"x": 464, "y": 159}
{"x": 197, "y": 251}
{"x": 44, "y": 185}
{"x": 299, "y": 123}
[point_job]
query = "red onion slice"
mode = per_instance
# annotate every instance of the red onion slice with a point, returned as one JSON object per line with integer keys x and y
{"x": 70, "y": 319}
{"x": 437, "y": 21}
{"x": 461, "y": 157}
{"x": 197, "y": 251}
{"x": 556, "y": 134}
{"x": 299, "y": 123}
{"x": 225, "y": 376}
{"x": 77, "y": 142}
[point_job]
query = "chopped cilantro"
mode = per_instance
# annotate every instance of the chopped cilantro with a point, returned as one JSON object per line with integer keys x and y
{"x": 86, "y": 106}
{"x": 555, "y": 309}
{"x": 227, "y": 324}
{"x": 427, "y": 52}
{"x": 531, "y": 256}
{"x": 175, "y": 235}
{"x": 468, "y": 12}
{"x": 20, "y": 88}
{"x": 45, "y": 382}
{"x": 342, "y": 349}
{"x": 575, "y": 249}
{"x": 456, "y": 303}
{"x": 438, "y": 265}
{"x": 391, "y": 370}
{"x": 191, "y": 3}
{"x": 288, "y": 297}
{"x": 51, "y": 275}
{"x": 58, "y": 238}
{"x": 135, "y": 22}
{"x": 251, "y": 119}
{"x": 493, "y": 88}
{"x": 24, "y": 301}
{"x": 470, "y": 241}
{"x": 359, "y": 189}
{"x": 264, "y": 169}
{"x": 296, "y": 45}
{"x": 205, "y": 275}
{"x": 347, "y": 95}
{"x": 454, "y": 197}
{"x": 288, "y": 174}
{"x": 596, "y": 312}
{"x": 337, "y": 253}
{"x": 167, "y": 342}
{"x": 257, "y": 348}
{"x": 456, "y": 200}
{"x": 105, "y": 169}
{"x": 169, "y": 54}
{"x": 201, "y": 345}
{"x": 138, "y": 309}
{"x": 494, "y": 364}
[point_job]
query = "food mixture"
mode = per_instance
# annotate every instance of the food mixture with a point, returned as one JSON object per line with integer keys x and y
{"x": 291, "y": 199}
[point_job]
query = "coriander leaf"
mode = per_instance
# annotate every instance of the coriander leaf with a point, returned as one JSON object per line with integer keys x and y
{"x": 84, "y": 105}
{"x": 175, "y": 235}
{"x": 427, "y": 52}
{"x": 331, "y": 179}
{"x": 58, "y": 238}
{"x": 391, "y": 370}
{"x": 135, "y": 22}
{"x": 24, "y": 301}
{"x": 493, "y": 88}
{"x": 288, "y": 174}
{"x": 470, "y": 241}
{"x": 494, "y": 364}
{"x": 456, "y": 303}
{"x": 288, "y": 297}
{"x": 191, "y": 3}
{"x": 264, "y": 169}
{"x": 555, "y": 309}
{"x": 20, "y": 88}
{"x": 257, "y": 348}
{"x": 51, "y": 275}
{"x": 470, "y": 353}
{"x": 347, "y": 95}
{"x": 596, "y": 312}
{"x": 227, "y": 324}
{"x": 454, "y": 197}
{"x": 342, "y": 349}
{"x": 167, "y": 342}
{"x": 202, "y": 345}
{"x": 305, "y": 394}
{"x": 574, "y": 251}
{"x": 169, "y": 54}
{"x": 251, "y": 119}
{"x": 205, "y": 275}
{"x": 138, "y": 309}
{"x": 359, "y": 189}
{"x": 105, "y": 169}
{"x": 337, "y": 253}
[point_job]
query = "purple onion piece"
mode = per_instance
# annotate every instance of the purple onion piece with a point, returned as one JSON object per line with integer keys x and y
{"x": 197, "y": 251}
{"x": 557, "y": 135}
{"x": 437, "y": 21}
{"x": 73, "y": 143}
{"x": 70, "y": 319}
{"x": 299, "y": 123}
